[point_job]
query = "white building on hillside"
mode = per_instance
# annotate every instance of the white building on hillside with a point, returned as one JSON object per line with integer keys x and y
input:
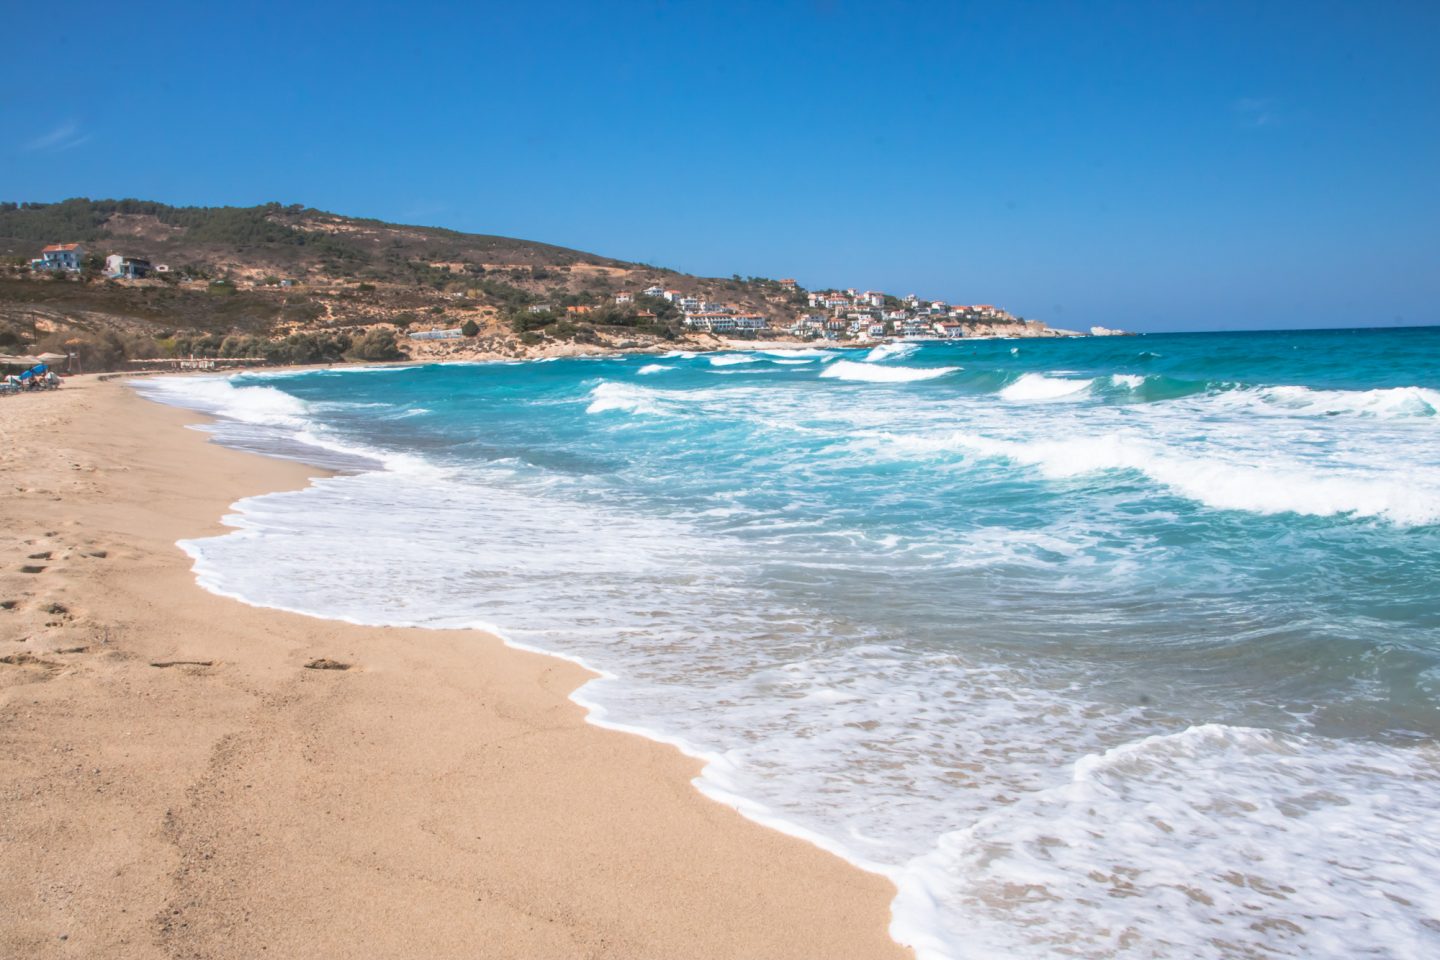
{"x": 60, "y": 256}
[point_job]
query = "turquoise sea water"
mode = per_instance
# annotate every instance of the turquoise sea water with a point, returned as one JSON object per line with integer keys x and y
{"x": 1103, "y": 647}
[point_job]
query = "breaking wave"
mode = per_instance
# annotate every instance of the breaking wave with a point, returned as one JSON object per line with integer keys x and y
{"x": 1037, "y": 386}
{"x": 864, "y": 373}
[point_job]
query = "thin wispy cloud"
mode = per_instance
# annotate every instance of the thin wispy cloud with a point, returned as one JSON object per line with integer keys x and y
{"x": 66, "y": 136}
{"x": 1256, "y": 111}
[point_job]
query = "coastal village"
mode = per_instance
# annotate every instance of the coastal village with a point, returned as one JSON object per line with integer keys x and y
{"x": 850, "y": 315}
{"x": 833, "y": 314}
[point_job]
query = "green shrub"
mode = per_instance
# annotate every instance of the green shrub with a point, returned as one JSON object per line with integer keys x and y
{"x": 377, "y": 345}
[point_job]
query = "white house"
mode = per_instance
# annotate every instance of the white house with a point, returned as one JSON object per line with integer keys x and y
{"x": 622, "y": 298}
{"x": 129, "y": 268}
{"x": 723, "y": 322}
{"x": 871, "y": 298}
{"x": 654, "y": 291}
{"x": 950, "y": 330}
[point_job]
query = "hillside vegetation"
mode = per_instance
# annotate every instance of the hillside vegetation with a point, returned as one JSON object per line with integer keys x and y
{"x": 279, "y": 282}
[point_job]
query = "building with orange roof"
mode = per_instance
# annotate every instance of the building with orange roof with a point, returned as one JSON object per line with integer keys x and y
{"x": 60, "y": 256}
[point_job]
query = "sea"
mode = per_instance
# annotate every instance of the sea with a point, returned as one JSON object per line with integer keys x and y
{"x": 1097, "y": 647}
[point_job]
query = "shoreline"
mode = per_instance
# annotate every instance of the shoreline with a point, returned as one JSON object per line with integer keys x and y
{"x": 215, "y": 796}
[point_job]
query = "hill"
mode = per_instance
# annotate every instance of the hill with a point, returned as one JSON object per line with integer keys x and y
{"x": 294, "y": 283}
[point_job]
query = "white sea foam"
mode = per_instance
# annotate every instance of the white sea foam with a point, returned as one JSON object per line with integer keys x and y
{"x": 866, "y": 373}
{"x": 221, "y": 397}
{"x": 809, "y": 353}
{"x": 1385, "y": 404}
{"x": 1281, "y": 486}
{"x": 628, "y": 398}
{"x": 1214, "y": 842}
{"x": 891, "y": 351}
{"x": 238, "y": 399}
{"x": 650, "y": 368}
{"x": 731, "y": 359}
{"x": 1130, "y": 381}
{"x": 1037, "y": 386}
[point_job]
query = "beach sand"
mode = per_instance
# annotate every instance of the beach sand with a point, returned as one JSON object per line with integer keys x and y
{"x": 175, "y": 782}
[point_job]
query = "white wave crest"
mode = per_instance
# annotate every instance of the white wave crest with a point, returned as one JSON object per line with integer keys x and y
{"x": 861, "y": 372}
{"x": 730, "y": 359}
{"x": 891, "y": 351}
{"x": 809, "y": 353}
{"x": 651, "y": 368}
{"x": 1278, "y": 487}
{"x": 1385, "y": 404}
{"x": 221, "y": 397}
{"x": 1130, "y": 381}
{"x": 1037, "y": 386}
{"x": 624, "y": 397}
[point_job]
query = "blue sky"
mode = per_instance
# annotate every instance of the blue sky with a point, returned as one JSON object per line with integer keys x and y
{"x": 1155, "y": 166}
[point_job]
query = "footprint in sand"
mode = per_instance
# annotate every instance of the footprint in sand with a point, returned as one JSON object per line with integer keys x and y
{"x": 26, "y": 659}
{"x": 325, "y": 663}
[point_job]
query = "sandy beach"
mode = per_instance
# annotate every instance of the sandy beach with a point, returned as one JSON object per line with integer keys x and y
{"x": 180, "y": 778}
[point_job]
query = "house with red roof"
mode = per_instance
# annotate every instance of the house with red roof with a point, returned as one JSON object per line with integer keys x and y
{"x": 60, "y": 256}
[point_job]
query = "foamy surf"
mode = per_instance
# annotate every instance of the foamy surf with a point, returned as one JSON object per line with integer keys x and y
{"x": 865, "y": 373}
{"x": 891, "y": 351}
{"x": 1278, "y": 487}
{"x": 624, "y": 397}
{"x": 1037, "y": 386}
